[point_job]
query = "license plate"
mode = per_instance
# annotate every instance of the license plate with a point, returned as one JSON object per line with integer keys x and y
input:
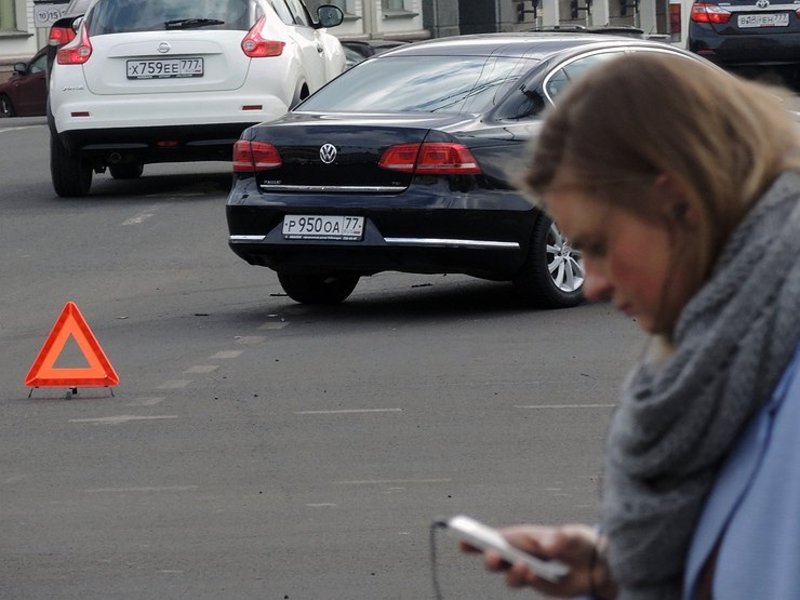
{"x": 165, "y": 68}
{"x": 764, "y": 20}
{"x": 317, "y": 227}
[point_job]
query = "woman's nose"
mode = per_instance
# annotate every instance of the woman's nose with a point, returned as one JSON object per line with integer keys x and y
{"x": 596, "y": 286}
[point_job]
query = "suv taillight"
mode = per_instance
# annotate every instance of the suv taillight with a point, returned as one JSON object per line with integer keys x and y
{"x": 430, "y": 159}
{"x": 709, "y": 13}
{"x": 249, "y": 157}
{"x": 76, "y": 52}
{"x": 59, "y": 36}
{"x": 255, "y": 46}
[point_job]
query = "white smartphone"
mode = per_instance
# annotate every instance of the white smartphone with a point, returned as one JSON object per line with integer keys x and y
{"x": 483, "y": 537}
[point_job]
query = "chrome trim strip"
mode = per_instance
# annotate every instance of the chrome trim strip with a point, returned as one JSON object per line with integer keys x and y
{"x": 331, "y": 188}
{"x": 247, "y": 238}
{"x": 452, "y": 243}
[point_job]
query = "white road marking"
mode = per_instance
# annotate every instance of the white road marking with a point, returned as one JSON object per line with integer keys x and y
{"x": 348, "y": 411}
{"x": 202, "y": 369}
{"x": 14, "y": 479}
{"x": 321, "y": 505}
{"x": 271, "y": 325}
{"x": 225, "y": 354}
{"x": 146, "y": 401}
{"x": 384, "y": 481}
{"x": 116, "y": 420}
{"x": 174, "y": 384}
{"x": 249, "y": 339}
{"x": 20, "y": 128}
{"x": 170, "y": 571}
{"x": 566, "y": 406}
{"x": 140, "y": 218}
{"x": 168, "y": 488}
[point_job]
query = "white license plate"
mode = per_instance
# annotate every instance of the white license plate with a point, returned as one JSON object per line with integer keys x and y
{"x": 319, "y": 227}
{"x": 166, "y": 68}
{"x": 764, "y": 20}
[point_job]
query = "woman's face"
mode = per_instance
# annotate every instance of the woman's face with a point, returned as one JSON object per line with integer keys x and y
{"x": 628, "y": 260}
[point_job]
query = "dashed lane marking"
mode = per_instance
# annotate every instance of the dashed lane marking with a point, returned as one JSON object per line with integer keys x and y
{"x": 174, "y": 384}
{"x": 249, "y": 339}
{"x": 273, "y": 325}
{"x": 385, "y": 481}
{"x": 118, "y": 419}
{"x": 565, "y": 406}
{"x": 348, "y": 411}
{"x": 140, "y": 218}
{"x": 151, "y": 401}
{"x": 225, "y": 354}
{"x": 166, "y": 488}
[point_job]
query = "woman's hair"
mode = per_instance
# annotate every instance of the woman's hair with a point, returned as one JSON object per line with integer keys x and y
{"x": 722, "y": 141}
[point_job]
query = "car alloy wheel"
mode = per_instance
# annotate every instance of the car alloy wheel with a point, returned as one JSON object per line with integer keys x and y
{"x": 553, "y": 273}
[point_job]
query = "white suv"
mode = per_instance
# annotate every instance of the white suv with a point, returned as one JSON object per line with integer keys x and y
{"x": 149, "y": 81}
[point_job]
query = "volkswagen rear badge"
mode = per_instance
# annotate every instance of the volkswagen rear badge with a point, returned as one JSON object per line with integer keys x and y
{"x": 327, "y": 153}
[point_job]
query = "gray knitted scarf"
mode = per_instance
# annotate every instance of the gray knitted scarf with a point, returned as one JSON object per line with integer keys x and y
{"x": 678, "y": 419}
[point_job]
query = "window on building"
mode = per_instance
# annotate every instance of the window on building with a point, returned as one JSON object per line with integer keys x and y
{"x": 8, "y": 15}
{"x": 393, "y": 4}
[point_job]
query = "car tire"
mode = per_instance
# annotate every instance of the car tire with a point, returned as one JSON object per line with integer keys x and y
{"x": 317, "y": 289}
{"x": 553, "y": 274}
{"x": 6, "y": 107}
{"x": 71, "y": 175}
{"x": 126, "y": 170}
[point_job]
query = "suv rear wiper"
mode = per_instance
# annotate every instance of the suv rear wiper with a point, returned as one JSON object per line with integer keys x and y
{"x": 189, "y": 23}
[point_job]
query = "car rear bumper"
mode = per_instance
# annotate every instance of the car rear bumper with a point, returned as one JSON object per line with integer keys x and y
{"x": 155, "y": 144}
{"x": 769, "y": 48}
{"x": 400, "y": 234}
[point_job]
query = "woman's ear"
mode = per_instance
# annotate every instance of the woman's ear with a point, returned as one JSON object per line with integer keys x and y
{"x": 677, "y": 205}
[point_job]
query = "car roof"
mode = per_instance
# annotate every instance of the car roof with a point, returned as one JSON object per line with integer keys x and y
{"x": 531, "y": 43}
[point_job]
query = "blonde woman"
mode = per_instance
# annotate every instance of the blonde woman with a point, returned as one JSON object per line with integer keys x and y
{"x": 679, "y": 185}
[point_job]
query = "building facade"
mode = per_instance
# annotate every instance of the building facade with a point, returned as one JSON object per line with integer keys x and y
{"x": 24, "y": 23}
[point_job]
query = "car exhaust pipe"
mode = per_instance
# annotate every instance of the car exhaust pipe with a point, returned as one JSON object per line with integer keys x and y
{"x": 114, "y": 158}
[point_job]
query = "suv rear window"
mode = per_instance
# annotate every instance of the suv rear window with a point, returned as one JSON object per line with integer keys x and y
{"x": 119, "y": 16}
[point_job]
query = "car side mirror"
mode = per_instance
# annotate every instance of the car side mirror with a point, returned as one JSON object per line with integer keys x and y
{"x": 329, "y": 15}
{"x": 20, "y": 68}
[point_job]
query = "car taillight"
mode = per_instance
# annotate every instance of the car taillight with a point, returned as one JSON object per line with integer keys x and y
{"x": 430, "y": 159}
{"x": 249, "y": 157}
{"x": 255, "y": 46}
{"x": 59, "y": 36}
{"x": 709, "y": 13}
{"x": 76, "y": 52}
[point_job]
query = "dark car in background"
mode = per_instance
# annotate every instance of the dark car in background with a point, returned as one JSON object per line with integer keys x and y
{"x": 358, "y": 50}
{"x": 24, "y": 94}
{"x": 738, "y": 33}
{"x": 406, "y": 162}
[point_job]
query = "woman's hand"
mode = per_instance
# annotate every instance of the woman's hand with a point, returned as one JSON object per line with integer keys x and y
{"x": 578, "y": 546}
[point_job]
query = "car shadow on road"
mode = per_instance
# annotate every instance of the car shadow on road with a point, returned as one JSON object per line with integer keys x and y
{"x": 164, "y": 185}
{"x": 440, "y": 298}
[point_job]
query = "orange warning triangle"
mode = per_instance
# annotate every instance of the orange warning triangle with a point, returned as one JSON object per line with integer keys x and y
{"x": 43, "y": 372}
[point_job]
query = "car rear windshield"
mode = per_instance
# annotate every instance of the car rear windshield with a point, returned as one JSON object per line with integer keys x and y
{"x": 458, "y": 84}
{"x": 119, "y": 16}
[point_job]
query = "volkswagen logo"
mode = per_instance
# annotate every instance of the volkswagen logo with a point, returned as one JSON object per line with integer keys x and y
{"x": 164, "y": 47}
{"x": 327, "y": 153}
{"x": 762, "y": 3}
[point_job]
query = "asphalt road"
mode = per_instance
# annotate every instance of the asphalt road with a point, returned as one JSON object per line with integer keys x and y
{"x": 256, "y": 448}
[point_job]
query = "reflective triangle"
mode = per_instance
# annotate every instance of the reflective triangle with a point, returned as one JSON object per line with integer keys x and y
{"x": 43, "y": 372}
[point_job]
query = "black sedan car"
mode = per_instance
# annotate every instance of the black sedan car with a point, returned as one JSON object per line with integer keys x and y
{"x": 746, "y": 32}
{"x": 406, "y": 163}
